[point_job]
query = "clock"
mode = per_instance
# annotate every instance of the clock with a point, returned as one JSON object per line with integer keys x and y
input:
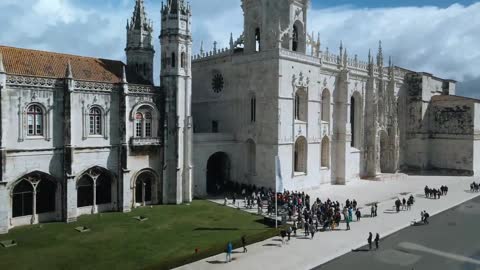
{"x": 217, "y": 83}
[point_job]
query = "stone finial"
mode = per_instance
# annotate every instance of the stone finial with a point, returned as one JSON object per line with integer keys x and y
{"x": 369, "y": 56}
{"x": 201, "y": 48}
{"x": 124, "y": 75}
{"x": 318, "y": 40}
{"x": 68, "y": 72}
{"x": 2, "y": 67}
{"x": 345, "y": 58}
{"x": 341, "y": 47}
{"x": 380, "y": 54}
{"x": 390, "y": 61}
{"x": 214, "y": 47}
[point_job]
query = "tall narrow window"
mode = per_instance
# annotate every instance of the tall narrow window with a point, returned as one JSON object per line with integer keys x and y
{"x": 253, "y": 110}
{"x": 95, "y": 121}
{"x": 148, "y": 124}
{"x": 295, "y": 39}
{"x": 164, "y": 60}
{"x": 326, "y": 105}
{"x": 182, "y": 60}
{"x": 257, "y": 40}
{"x": 297, "y": 107}
{"x": 35, "y": 120}
{"x": 173, "y": 60}
{"x": 139, "y": 125}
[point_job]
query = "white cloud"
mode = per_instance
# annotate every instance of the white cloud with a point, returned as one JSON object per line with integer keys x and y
{"x": 442, "y": 41}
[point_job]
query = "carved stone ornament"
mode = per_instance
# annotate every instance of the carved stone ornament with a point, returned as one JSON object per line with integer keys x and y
{"x": 34, "y": 81}
{"x": 301, "y": 81}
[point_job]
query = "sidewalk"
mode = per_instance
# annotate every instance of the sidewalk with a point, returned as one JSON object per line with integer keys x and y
{"x": 306, "y": 254}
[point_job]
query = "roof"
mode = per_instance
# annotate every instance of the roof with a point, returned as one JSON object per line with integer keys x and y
{"x": 454, "y": 98}
{"x": 27, "y": 62}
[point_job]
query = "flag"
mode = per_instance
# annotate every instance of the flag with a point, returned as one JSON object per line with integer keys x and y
{"x": 278, "y": 175}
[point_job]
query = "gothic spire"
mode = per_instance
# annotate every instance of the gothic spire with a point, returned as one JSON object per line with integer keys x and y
{"x": 231, "y": 41}
{"x": 2, "y": 67}
{"x": 380, "y": 54}
{"x": 139, "y": 19}
{"x": 201, "y": 48}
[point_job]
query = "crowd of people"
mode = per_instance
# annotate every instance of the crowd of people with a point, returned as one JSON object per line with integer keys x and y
{"x": 404, "y": 204}
{"x": 474, "y": 187}
{"x": 433, "y": 193}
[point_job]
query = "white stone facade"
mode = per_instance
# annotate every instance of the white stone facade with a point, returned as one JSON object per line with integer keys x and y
{"x": 330, "y": 118}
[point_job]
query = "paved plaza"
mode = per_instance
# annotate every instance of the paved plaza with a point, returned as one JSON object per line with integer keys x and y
{"x": 307, "y": 254}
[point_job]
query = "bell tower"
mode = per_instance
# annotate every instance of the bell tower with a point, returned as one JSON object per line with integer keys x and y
{"x": 139, "y": 48}
{"x": 263, "y": 20}
{"x": 176, "y": 82}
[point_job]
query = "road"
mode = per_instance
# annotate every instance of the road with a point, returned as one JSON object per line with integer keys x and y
{"x": 450, "y": 242}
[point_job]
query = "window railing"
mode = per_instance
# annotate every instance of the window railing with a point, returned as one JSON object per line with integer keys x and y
{"x": 140, "y": 141}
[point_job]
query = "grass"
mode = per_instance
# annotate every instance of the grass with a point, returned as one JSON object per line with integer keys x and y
{"x": 118, "y": 241}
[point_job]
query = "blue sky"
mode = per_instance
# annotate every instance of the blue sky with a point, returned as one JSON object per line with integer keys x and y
{"x": 435, "y": 36}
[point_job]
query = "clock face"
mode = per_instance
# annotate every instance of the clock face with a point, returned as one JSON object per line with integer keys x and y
{"x": 217, "y": 83}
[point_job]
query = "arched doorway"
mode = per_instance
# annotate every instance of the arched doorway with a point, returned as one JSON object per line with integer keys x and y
{"x": 384, "y": 157}
{"x": 218, "y": 173}
{"x": 143, "y": 188}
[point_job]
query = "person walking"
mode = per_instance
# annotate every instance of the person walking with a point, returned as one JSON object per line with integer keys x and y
{"x": 377, "y": 239}
{"x": 229, "y": 252}
{"x": 370, "y": 236}
{"x": 358, "y": 214}
{"x": 376, "y": 208}
{"x": 283, "y": 233}
{"x": 244, "y": 243}
{"x": 372, "y": 211}
{"x": 350, "y": 214}
{"x": 289, "y": 233}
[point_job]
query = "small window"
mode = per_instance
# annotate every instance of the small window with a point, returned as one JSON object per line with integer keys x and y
{"x": 95, "y": 121}
{"x": 295, "y": 39}
{"x": 144, "y": 123}
{"x": 35, "y": 120}
{"x": 257, "y": 40}
{"x": 253, "y": 110}
{"x": 173, "y": 60}
{"x": 139, "y": 125}
{"x": 214, "y": 126}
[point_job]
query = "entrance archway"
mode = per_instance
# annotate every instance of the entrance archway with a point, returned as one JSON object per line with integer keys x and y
{"x": 218, "y": 173}
{"x": 143, "y": 188}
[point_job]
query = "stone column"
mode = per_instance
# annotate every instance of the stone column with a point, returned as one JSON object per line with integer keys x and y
{"x": 124, "y": 176}
{"x": 94, "y": 204}
{"x": 70, "y": 193}
{"x": 4, "y": 208}
{"x": 342, "y": 136}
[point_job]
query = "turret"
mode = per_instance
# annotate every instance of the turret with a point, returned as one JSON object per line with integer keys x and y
{"x": 139, "y": 50}
{"x": 176, "y": 81}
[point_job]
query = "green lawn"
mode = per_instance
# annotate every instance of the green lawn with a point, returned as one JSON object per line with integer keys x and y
{"x": 117, "y": 241}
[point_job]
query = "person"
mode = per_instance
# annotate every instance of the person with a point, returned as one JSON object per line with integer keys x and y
{"x": 289, "y": 233}
{"x": 404, "y": 202}
{"x": 295, "y": 228}
{"x": 358, "y": 214}
{"x": 422, "y": 214}
{"x": 376, "y": 208}
{"x": 347, "y": 221}
{"x": 425, "y": 217}
{"x": 283, "y": 233}
{"x": 225, "y": 201}
{"x": 377, "y": 238}
{"x": 229, "y": 252}
{"x": 244, "y": 243}
{"x": 372, "y": 211}
{"x": 350, "y": 214}
{"x": 306, "y": 229}
{"x": 370, "y": 236}
{"x": 312, "y": 230}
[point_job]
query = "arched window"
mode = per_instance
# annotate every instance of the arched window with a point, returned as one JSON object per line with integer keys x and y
{"x": 35, "y": 120}
{"x": 253, "y": 109}
{"x": 182, "y": 60}
{"x": 173, "y": 59}
{"x": 356, "y": 119}
{"x": 103, "y": 189}
{"x": 144, "y": 123}
{"x": 22, "y": 199}
{"x": 251, "y": 157}
{"x": 46, "y": 190}
{"x": 257, "y": 40}
{"x": 300, "y": 155}
{"x": 325, "y": 157}
{"x": 301, "y": 104}
{"x": 95, "y": 121}
{"x": 326, "y": 105}
{"x": 85, "y": 191}
{"x": 295, "y": 39}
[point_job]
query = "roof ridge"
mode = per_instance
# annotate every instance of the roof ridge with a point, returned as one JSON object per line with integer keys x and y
{"x": 57, "y": 53}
